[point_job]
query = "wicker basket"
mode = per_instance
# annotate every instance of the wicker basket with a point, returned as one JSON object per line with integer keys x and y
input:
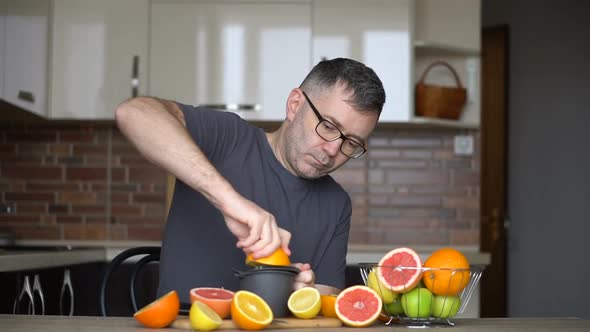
{"x": 440, "y": 101}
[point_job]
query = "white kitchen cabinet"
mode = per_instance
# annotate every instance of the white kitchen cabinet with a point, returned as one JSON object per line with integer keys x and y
{"x": 450, "y": 30}
{"x": 25, "y": 54}
{"x": 377, "y": 33}
{"x": 242, "y": 56}
{"x": 449, "y": 24}
{"x": 99, "y": 56}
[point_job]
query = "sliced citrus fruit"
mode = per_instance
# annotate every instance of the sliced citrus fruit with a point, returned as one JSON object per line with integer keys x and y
{"x": 328, "y": 305}
{"x": 277, "y": 258}
{"x": 203, "y": 318}
{"x": 249, "y": 311}
{"x": 305, "y": 302}
{"x": 400, "y": 270}
{"x": 449, "y": 272}
{"x": 384, "y": 292}
{"x": 160, "y": 313}
{"x": 358, "y": 306}
{"x": 218, "y": 299}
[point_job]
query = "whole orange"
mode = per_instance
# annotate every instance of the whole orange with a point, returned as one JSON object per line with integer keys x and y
{"x": 277, "y": 258}
{"x": 160, "y": 313}
{"x": 328, "y": 305}
{"x": 446, "y": 272}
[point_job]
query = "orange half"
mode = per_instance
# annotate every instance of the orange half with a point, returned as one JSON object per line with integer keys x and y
{"x": 160, "y": 313}
{"x": 277, "y": 258}
{"x": 249, "y": 311}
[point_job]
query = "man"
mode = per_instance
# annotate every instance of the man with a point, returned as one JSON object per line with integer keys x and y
{"x": 265, "y": 190}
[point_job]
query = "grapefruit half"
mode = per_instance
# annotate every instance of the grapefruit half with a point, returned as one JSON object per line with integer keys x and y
{"x": 218, "y": 299}
{"x": 400, "y": 270}
{"x": 358, "y": 306}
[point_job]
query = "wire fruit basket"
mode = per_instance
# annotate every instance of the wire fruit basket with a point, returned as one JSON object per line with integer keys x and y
{"x": 439, "y": 295}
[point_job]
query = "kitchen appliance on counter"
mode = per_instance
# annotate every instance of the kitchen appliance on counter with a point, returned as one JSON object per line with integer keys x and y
{"x": 272, "y": 283}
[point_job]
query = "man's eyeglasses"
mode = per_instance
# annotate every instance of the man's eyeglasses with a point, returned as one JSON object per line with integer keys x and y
{"x": 329, "y": 133}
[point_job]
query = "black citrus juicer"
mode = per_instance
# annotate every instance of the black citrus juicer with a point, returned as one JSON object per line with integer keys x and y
{"x": 271, "y": 278}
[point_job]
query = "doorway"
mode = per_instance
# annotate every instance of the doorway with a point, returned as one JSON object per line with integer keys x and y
{"x": 493, "y": 180}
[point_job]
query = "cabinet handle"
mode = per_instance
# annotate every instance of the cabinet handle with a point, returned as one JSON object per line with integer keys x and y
{"x": 233, "y": 107}
{"x": 30, "y": 300}
{"x": 26, "y": 96}
{"x": 66, "y": 287}
{"x": 38, "y": 293}
{"x": 135, "y": 76}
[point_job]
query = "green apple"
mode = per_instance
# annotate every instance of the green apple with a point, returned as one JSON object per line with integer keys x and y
{"x": 445, "y": 306}
{"x": 417, "y": 303}
{"x": 394, "y": 308}
{"x": 387, "y": 296}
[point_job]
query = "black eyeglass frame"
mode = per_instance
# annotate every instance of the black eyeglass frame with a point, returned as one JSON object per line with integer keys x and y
{"x": 344, "y": 137}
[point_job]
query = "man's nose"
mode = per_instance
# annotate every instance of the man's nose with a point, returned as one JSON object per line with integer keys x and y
{"x": 332, "y": 148}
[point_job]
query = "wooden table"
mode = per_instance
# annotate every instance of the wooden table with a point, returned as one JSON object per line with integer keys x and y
{"x": 23, "y": 323}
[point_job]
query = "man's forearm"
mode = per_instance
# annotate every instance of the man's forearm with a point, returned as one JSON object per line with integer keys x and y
{"x": 158, "y": 130}
{"x": 324, "y": 289}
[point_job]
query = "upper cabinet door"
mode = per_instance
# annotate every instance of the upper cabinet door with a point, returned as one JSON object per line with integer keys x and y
{"x": 237, "y": 56}
{"x": 450, "y": 31}
{"x": 25, "y": 54}
{"x": 375, "y": 32}
{"x": 452, "y": 24}
{"x": 99, "y": 56}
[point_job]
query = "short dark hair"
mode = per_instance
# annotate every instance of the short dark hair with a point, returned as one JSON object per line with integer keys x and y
{"x": 367, "y": 90}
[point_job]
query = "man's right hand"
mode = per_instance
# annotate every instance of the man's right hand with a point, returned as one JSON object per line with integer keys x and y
{"x": 255, "y": 228}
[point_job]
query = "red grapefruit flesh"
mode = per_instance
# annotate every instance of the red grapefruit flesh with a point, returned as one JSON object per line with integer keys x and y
{"x": 358, "y": 306}
{"x": 218, "y": 299}
{"x": 400, "y": 270}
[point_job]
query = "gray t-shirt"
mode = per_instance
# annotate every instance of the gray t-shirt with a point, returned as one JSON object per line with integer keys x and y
{"x": 199, "y": 251}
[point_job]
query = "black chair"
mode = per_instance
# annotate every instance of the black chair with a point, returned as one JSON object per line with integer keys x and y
{"x": 150, "y": 254}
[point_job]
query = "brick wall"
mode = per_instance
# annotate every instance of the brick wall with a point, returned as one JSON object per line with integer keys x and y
{"x": 411, "y": 189}
{"x": 78, "y": 182}
{"x": 86, "y": 182}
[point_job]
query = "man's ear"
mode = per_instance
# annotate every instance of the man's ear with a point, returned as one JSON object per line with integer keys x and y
{"x": 295, "y": 102}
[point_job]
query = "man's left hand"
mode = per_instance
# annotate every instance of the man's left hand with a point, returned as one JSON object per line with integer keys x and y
{"x": 305, "y": 278}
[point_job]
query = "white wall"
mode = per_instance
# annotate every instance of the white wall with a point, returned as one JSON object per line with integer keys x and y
{"x": 549, "y": 155}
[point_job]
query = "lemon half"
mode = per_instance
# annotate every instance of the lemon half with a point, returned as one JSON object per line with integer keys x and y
{"x": 203, "y": 318}
{"x": 305, "y": 302}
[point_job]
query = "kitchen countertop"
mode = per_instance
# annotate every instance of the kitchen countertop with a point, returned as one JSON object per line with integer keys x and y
{"x": 63, "y": 253}
{"x": 28, "y": 259}
{"x": 357, "y": 253}
{"x": 23, "y": 323}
